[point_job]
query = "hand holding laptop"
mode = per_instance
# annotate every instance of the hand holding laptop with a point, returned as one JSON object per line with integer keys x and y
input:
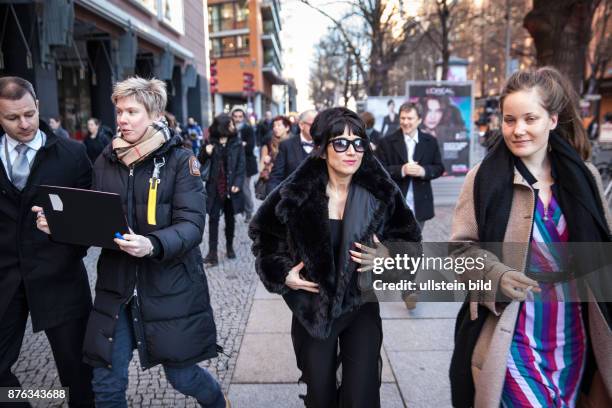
{"x": 41, "y": 220}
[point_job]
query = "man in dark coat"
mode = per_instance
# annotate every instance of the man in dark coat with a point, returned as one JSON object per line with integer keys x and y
{"x": 292, "y": 152}
{"x": 264, "y": 129}
{"x": 413, "y": 159}
{"x": 37, "y": 276}
{"x": 246, "y": 134}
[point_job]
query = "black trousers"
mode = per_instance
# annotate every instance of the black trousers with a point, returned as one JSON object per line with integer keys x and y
{"x": 359, "y": 337}
{"x": 225, "y": 205}
{"x": 66, "y": 343}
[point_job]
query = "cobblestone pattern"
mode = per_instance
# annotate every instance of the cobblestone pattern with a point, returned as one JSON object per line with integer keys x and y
{"x": 232, "y": 285}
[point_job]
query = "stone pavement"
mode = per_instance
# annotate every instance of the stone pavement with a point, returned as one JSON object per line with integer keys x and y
{"x": 253, "y": 327}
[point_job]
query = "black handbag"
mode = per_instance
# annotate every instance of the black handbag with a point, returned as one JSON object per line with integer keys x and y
{"x": 205, "y": 170}
{"x": 260, "y": 189}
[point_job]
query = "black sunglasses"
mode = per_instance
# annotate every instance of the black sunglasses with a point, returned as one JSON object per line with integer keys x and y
{"x": 342, "y": 144}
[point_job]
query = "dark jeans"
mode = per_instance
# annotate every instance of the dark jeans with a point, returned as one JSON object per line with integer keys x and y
{"x": 219, "y": 205}
{"x": 359, "y": 335}
{"x": 66, "y": 343}
{"x": 111, "y": 384}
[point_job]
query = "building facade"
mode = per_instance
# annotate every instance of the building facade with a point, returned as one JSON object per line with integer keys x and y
{"x": 74, "y": 50}
{"x": 245, "y": 43}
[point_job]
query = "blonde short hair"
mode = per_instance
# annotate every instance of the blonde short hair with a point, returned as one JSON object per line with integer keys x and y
{"x": 149, "y": 92}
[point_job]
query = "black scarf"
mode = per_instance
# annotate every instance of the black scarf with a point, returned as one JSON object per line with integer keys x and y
{"x": 578, "y": 196}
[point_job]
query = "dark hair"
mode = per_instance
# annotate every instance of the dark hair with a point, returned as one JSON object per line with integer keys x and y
{"x": 409, "y": 106}
{"x": 239, "y": 110}
{"x": 14, "y": 88}
{"x": 220, "y": 127}
{"x": 171, "y": 119}
{"x": 284, "y": 119}
{"x": 56, "y": 118}
{"x": 368, "y": 119}
{"x": 332, "y": 122}
{"x": 558, "y": 97}
{"x": 95, "y": 120}
{"x": 390, "y": 102}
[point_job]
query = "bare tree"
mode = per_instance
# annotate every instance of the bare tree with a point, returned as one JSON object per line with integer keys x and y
{"x": 383, "y": 29}
{"x": 561, "y": 30}
{"x": 602, "y": 43}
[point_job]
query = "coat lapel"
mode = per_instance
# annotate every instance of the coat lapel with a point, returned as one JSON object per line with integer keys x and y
{"x": 400, "y": 146}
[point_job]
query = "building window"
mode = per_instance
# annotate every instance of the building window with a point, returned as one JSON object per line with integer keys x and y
{"x": 229, "y": 46}
{"x": 228, "y": 16}
{"x": 149, "y": 5}
{"x": 171, "y": 13}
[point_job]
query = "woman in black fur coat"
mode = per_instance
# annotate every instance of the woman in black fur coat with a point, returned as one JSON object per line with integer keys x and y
{"x": 309, "y": 238}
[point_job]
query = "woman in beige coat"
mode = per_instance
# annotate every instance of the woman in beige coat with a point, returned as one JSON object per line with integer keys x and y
{"x": 532, "y": 191}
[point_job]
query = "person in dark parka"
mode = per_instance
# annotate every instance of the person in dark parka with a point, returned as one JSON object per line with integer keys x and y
{"x": 225, "y": 156}
{"x": 151, "y": 293}
{"x": 39, "y": 277}
{"x": 338, "y": 199}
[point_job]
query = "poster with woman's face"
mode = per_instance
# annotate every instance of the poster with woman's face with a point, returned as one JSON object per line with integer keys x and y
{"x": 446, "y": 114}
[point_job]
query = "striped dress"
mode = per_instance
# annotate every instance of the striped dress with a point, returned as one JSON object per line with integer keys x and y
{"x": 548, "y": 350}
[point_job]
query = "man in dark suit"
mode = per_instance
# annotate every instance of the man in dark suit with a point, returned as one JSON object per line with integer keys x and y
{"x": 413, "y": 160}
{"x": 38, "y": 276}
{"x": 246, "y": 134}
{"x": 292, "y": 151}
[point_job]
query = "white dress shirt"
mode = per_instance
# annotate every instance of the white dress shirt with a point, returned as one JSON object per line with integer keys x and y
{"x": 9, "y": 144}
{"x": 411, "y": 143}
{"x": 307, "y": 149}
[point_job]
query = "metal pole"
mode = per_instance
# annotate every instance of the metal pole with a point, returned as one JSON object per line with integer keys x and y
{"x": 508, "y": 39}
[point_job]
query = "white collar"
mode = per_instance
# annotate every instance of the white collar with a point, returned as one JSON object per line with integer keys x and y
{"x": 304, "y": 140}
{"x": 34, "y": 144}
{"x": 415, "y": 138}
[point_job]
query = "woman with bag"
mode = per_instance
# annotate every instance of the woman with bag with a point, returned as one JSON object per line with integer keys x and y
{"x": 309, "y": 239}
{"x": 224, "y": 153}
{"x": 281, "y": 126}
{"x": 524, "y": 343}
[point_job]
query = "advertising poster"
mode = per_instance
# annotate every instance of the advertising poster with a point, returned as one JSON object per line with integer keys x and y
{"x": 386, "y": 112}
{"x": 447, "y": 115}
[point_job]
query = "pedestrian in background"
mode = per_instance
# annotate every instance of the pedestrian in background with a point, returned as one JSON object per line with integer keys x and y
{"x": 195, "y": 135}
{"x": 39, "y": 277}
{"x": 247, "y": 136}
{"x": 264, "y": 129}
{"x": 373, "y": 134}
{"x": 293, "y": 151}
{"x": 56, "y": 125}
{"x": 224, "y": 154}
{"x": 96, "y": 140}
{"x": 342, "y": 196}
{"x": 391, "y": 120}
{"x": 151, "y": 294}
{"x": 533, "y": 188}
{"x": 281, "y": 127}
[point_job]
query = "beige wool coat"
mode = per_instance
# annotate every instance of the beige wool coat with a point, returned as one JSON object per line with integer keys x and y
{"x": 493, "y": 345}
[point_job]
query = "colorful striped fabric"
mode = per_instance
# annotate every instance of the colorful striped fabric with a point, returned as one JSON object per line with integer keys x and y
{"x": 548, "y": 350}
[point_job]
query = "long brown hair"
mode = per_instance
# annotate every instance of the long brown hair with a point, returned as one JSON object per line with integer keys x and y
{"x": 558, "y": 97}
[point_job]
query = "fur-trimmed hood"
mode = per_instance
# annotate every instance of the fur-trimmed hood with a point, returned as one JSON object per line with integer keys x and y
{"x": 292, "y": 225}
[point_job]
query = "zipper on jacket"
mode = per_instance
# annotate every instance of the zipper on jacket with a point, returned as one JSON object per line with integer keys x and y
{"x": 130, "y": 209}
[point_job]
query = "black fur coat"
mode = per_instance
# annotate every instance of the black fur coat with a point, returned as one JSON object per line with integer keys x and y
{"x": 292, "y": 225}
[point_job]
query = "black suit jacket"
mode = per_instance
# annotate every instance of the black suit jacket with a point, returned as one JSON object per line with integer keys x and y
{"x": 53, "y": 274}
{"x": 393, "y": 153}
{"x": 290, "y": 156}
